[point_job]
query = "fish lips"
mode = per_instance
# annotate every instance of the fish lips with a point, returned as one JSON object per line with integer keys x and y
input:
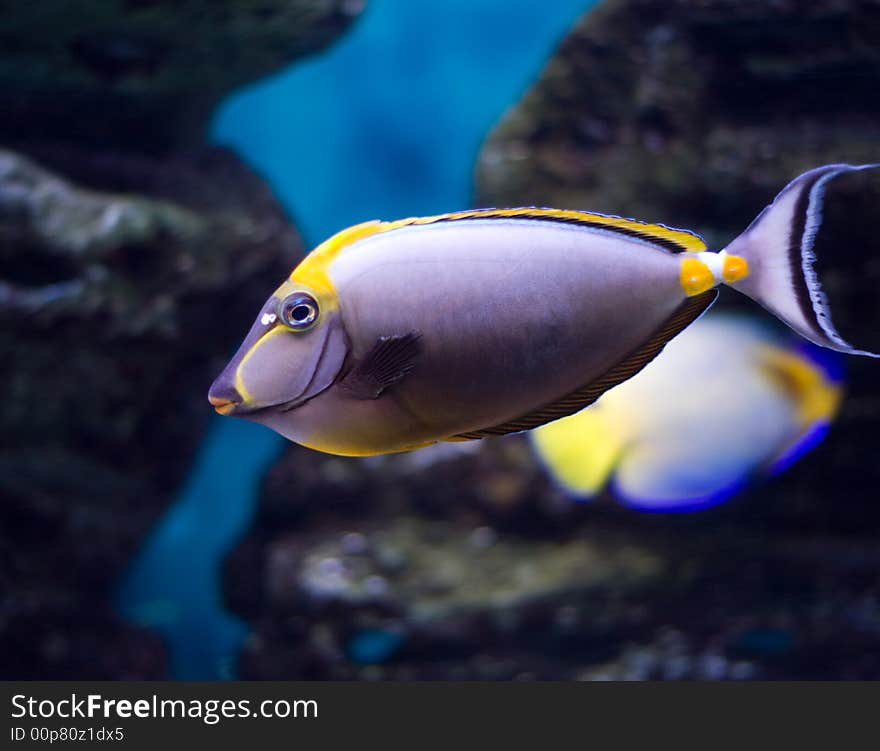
{"x": 284, "y": 371}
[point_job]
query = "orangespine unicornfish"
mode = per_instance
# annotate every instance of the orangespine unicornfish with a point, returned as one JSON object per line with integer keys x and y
{"x": 758, "y": 401}
{"x": 390, "y": 336}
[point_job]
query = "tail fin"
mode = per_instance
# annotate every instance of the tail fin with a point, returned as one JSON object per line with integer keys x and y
{"x": 780, "y": 248}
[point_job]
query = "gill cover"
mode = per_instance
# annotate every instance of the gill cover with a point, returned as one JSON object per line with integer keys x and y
{"x": 277, "y": 366}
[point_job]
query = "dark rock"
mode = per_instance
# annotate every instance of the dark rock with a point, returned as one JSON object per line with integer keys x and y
{"x": 121, "y": 307}
{"x": 802, "y": 609}
{"x": 117, "y": 308}
{"x": 48, "y": 638}
{"x": 133, "y": 257}
{"x": 344, "y": 556}
{"x": 356, "y": 553}
{"x": 692, "y": 114}
{"x": 145, "y": 76}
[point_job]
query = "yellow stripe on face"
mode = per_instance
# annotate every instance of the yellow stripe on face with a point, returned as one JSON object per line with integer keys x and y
{"x": 246, "y": 395}
{"x": 312, "y": 275}
{"x": 313, "y": 272}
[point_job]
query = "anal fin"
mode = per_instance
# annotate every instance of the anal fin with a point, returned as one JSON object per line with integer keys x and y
{"x": 684, "y": 315}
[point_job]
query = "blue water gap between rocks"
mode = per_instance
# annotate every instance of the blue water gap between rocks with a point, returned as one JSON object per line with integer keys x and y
{"x": 386, "y": 123}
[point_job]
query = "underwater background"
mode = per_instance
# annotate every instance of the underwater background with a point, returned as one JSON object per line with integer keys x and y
{"x": 163, "y": 165}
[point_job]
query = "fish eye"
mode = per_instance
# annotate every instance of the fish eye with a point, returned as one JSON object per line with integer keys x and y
{"x": 298, "y": 311}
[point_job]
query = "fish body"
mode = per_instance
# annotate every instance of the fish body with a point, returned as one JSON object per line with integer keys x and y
{"x": 756, "y": 401}
{"x": 394, "y": 335}
{"x": 502, "y": 308}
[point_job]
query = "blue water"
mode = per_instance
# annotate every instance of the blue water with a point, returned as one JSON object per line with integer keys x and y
{"x": 173, "y": 586}
{"x": 386, "y": 123}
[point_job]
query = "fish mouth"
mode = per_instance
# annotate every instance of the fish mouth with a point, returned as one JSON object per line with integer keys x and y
{"x": 241, "y": 410}
{"x": 222, "y": 406}
{"x": 236, "y": 406}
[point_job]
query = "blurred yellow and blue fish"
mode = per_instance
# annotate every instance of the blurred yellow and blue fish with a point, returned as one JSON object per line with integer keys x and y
{"x": 725, "y": 399}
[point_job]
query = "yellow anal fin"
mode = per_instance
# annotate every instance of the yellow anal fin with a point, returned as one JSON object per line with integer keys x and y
{"x": 580, "y": 451}
{"x": 687, "y": 313}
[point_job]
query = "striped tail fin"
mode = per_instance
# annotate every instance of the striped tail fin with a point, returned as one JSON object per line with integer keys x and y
{"x": 781, "y": 245}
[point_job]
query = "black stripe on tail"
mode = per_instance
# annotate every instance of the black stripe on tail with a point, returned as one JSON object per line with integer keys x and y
{"x": 781, "y": 249}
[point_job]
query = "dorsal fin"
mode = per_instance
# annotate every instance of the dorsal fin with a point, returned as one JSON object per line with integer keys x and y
{"x": 684, "y": 315}
{"x": 673, "y": 240}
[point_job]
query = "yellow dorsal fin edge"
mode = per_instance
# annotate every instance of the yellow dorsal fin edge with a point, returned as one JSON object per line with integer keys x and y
{"x": 313, "y": 269}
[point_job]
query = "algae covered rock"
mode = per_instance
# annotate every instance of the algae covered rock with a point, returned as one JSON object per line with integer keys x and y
{"x": 413, "y": 589}
{"x": 467, "y": 564}
{"x": 133, "y": 256}
{"x": 444, "y": 564}
{"x": 693, "y": 114}
{"x": 116, "y": 310}
{"x": 145, "y": 75}
{"x": 117, "y": 307}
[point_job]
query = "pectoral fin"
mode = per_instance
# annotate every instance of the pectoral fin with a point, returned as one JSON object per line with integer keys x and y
{"x": 387, "y": 362}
